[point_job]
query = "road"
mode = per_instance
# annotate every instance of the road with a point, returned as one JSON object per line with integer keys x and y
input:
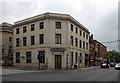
{"x": 80, "y": 75}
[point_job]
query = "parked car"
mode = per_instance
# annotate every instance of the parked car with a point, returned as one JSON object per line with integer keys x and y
{"x": 104, "y": 65}
{"x": 117, "y": 66}
{"x": 112, "y": 64}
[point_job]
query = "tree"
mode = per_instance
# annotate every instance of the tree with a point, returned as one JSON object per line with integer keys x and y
{"x": 115, "y": 54}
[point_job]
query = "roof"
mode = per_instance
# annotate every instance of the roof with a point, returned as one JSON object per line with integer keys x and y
{"x": 48, "y": 15}
{"x": 5, "y": 24}
{"x": 100, "y": 43}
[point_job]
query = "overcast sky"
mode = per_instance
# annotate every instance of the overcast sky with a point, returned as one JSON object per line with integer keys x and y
{"x": 99, "y": 16}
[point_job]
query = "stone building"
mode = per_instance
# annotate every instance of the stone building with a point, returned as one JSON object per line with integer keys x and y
{"x": 60, "y": 40}
{"x": 6, "y": 42}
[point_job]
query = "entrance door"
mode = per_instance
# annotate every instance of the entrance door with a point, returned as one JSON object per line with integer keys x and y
{"x": 57, "y": 61}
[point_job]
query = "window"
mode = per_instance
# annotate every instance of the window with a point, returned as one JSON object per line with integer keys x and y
{"x": 86, "y": 46}
{"x": 58, "y": 25}
{"x": 41, "y": 38}
{"x": 32, "y": 27}
{"x": 71, "y": 27}
{"x": 32, "y": 40}
{"x": 42, "y": 56}
{"x": 83, "y": 44}
{"x": 57, "y": 38}
{"x": 80, "y": 57}
{"x": 80, "y": 43}
{"x": 71, "y": 40}
{"x": 24, "y": 41}
{"x": 17, "y": 42}
{"x": 84, "y": 34}
{"x": 17, "y": 57}
{"x": 24, "y": 29}
{"x": 17, "y": 31}
{"x": 10, "y": 49}
{"x": 28, "y": 57}
{"x": 71, "y": 58}
{"x": 10, "y": 39}
{"x": 76, "y": 30}
{"x": 41, "y": 25}
{"x": 76, "y": 40}
{"x": 2, "y": 48}
{"x": 80, "y": 32}
{"x": 76, "y": 57}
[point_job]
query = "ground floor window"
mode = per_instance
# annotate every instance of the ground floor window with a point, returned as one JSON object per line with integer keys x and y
{"x": 71, "y": 58}
{"x": 17, "y": 57}
{"x": 28, "y": 57}
{"x": 42, "y": 56}
{"x": 80, "y": 57}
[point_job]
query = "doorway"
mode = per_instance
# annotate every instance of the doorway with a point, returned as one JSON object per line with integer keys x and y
{"x": 58, "y": 62}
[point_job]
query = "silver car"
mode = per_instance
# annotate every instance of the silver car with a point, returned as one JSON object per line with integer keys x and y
{"x": 117, "y": 66}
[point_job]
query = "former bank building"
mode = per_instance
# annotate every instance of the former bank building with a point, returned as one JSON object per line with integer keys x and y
{"x": 60, "y": 40}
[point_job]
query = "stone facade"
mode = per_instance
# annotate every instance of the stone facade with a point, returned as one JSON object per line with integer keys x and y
{"x": 6, "y": 50}
{"x": 60, "y": 55}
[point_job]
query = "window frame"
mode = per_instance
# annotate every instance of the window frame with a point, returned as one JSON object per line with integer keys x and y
{"x": 32, "y": 27}
{"x": 58, "y": 40}
{"x": 24, "y": 41}
{"x": 28, "y": 59}
{"x": 33, "y": 40}
{"x": 41, "y": 39}
{"x": 41, "y": 25}
{"x": 56, "y": 25}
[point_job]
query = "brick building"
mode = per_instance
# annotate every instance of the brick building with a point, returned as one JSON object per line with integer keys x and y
{"x": 97, "y": 52}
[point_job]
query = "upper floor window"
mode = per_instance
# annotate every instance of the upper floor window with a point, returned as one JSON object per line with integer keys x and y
{"x": 28, "y": 57}
{"x": 17, "y": 42}
{"x": 84, "y": 34}
{"x": 57, "y": 38}
{"x": 76, "y": 30}
{"x": 24, "y": 29}
{"x": 76, "y": 40}
{"x": 71, "y": 27}
{"x": 83, "y": 44}
{"x": 10, "y": 39}
{"x": 80, "y": 43}
{"x": 80, "y": 32}
{"x": 10, "y": 51}
{"x": 17, "y": 31}
{"x": 58, "y": 25}
{"x": 41, "y": 38}
{"x": 32, "y": 40}
{"x": 41, "y": 25}
{"x": 86, "y": 46}
{"x": 24, "y": 41}
{"x": 32, "y": 27}
{"x": 71, "y": 40}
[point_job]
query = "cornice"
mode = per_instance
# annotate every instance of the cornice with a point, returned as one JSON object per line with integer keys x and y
{"x": 50, "y": 16}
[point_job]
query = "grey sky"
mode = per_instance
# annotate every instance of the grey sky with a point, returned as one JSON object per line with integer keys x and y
{"x": 99, "y": 16}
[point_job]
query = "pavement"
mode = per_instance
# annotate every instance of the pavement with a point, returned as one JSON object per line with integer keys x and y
{"x": 86, "y": 74}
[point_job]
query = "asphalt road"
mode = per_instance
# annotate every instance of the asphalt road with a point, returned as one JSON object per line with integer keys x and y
{"x": 81, "y": 75}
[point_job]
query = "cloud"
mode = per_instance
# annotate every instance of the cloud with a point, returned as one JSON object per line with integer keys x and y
{"x": 99, "y": 16}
